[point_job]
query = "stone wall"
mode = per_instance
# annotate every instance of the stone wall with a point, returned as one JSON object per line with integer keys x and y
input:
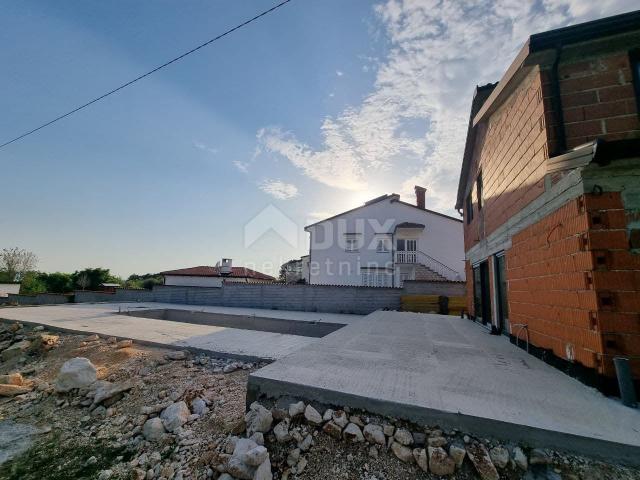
{"x": 310, "y": 298}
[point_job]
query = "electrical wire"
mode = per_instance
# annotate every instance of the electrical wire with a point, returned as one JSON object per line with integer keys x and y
{"x": 144, "y": 75}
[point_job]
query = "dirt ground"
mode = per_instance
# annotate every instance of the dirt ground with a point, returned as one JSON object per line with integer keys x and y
{"x": 70, "y": 441}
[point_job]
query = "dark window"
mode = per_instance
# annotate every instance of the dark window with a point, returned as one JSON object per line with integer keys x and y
{"x": 469, "y": 208}
{"x": 634, "y": 57}
{"x": 503, "y": 304}
{"x": 479, "y": 190}
{"x": 481, "y": 293}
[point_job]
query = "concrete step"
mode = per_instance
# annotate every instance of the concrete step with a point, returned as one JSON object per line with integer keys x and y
{"x": 425, "y": 273}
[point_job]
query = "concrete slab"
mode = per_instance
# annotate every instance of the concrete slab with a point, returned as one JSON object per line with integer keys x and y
{"x": 435, "y": 369}
{"x": 230, "y": 342}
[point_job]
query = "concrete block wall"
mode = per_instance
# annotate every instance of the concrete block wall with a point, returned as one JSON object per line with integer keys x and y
{"x": 573, "y": 281}
{"x": 121, "y": 295}
{"x": 310, "y": 298}
{"x": 187, "y": 295}
{"x": 38, "y": 299}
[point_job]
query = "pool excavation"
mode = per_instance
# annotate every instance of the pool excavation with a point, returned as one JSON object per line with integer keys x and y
{"x": 423, "y": 368}
{"x": 315, "y": 329}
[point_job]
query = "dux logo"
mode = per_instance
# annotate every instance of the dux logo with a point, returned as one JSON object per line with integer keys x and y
{"x": 270, "y": 219}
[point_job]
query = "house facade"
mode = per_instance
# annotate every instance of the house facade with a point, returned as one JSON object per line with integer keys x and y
{"x": 7, "y": 288}
{"x": 213, "y": 276}
{"x": 385, "y": 242}
{"x": 550, "y": 193}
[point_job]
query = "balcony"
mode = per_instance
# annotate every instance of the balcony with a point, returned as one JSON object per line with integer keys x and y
{"x": 404, "y": 256}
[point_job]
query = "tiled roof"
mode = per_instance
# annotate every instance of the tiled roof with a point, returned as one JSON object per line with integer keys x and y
{"x": 207, "y": 271}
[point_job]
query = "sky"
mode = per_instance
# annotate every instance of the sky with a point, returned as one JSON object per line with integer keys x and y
{"x": 308, "y": 112}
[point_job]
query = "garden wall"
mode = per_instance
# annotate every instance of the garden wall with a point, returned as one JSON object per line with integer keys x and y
{"x": 310, "y": 298}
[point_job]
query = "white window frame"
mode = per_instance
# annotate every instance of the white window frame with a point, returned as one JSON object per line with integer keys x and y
{"x": 351, "y": 244}
{"x": 382, "y": 245}
{"x": 374, "y": 277}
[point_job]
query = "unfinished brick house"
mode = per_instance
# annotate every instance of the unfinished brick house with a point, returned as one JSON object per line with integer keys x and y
{"x": 550, "y": 194}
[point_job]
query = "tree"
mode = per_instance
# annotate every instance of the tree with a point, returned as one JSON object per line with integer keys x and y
{"x": 57, "y": 282}
{"x": 16, "y": 262}
{"x": 91, "y": 278}
{"x": 31, "y": 283}
{"x": 147, "y": 281}
{"x": 83, "y": 281}
{"x": 290, "y": 272}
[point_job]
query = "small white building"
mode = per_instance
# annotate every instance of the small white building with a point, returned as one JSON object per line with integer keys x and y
{"x": 385, "y": 242}
{"x": 7, "y": 288}
{"x": 207, "y": 276}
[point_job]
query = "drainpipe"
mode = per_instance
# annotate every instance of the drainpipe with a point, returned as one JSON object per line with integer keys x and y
{"x": 556, "y": 99}
{"x": 625, "y": 382}
{"x": 393, "y": 261}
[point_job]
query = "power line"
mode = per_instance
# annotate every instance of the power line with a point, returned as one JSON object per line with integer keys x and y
{"x": 124, "y": 85}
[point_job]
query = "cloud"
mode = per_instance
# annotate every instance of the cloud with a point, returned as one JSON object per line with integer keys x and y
{"x": 438, "y": 52}
{"x": 335, "y": 166}
{"x": 315, "y": 216}
{"x": 205, "y": 148}
{"x": 339, "y": 73}
{"x": 279, "y": 189}
{"x": 242, "y": 166}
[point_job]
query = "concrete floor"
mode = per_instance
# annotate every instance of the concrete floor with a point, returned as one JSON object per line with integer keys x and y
{"x": 436, "y": 369}
{"x": 102, "y": 318}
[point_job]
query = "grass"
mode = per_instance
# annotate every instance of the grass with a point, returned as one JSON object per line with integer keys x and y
{"x": 57, "y": 459}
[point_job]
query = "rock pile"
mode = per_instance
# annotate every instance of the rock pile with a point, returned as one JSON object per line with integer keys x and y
{"x": 77, "y": 372}
{"x": 17, "y": 345}
{"x": 429, "y": 449}
{"x": 217, "y": 365}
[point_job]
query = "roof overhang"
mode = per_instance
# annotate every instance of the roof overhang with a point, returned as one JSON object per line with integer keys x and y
{"x": 598, "y": 151}
{"x": 539, "y": 49}
{"x": 409, "y": 225}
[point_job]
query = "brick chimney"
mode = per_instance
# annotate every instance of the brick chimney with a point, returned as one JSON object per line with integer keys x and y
{"x": 420, "y": 191}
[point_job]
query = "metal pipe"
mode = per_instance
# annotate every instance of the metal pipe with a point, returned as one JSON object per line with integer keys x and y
{"x": 556, "y": 99}
{"x": 525, "y": 327}
{"x": 625, "y": 382}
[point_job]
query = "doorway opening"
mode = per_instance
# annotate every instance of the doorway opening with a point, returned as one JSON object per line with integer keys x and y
{"x": 502, "y": 305}
{"x": 482, "y": 293}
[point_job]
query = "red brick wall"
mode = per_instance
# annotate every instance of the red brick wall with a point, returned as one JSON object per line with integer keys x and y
{"x": 573, "y": 281}
{"x": 598, "y": 99}
{"x": 512, "y": 146}
{"x": 510, "y": 150}
{"x": 616, "y": 279}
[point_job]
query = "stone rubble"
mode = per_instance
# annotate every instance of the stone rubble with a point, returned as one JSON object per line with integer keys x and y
{"x": 169, "y": 428}
{"x": 439, "y": 462}
{"x": 77, "y": 372}
{"x": 174, "y": 416}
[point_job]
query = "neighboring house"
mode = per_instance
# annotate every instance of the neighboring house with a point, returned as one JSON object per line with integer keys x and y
{"x": 7, "y": 288}
{"x": 305, "y": 267}
{"x": 109, "y": 287}
{"x": 206, "y": 276}
{"x": 385, "y": 242}
{"x": 550, "y": 190}
{"x": 294, "y": 271}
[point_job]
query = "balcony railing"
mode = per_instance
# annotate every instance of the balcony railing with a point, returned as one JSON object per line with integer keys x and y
{"x": 406, "y": 257}
{"x": 449, "y": 273}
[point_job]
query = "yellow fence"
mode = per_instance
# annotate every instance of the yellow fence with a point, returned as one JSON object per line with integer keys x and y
{"x": 433, "y": 304}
